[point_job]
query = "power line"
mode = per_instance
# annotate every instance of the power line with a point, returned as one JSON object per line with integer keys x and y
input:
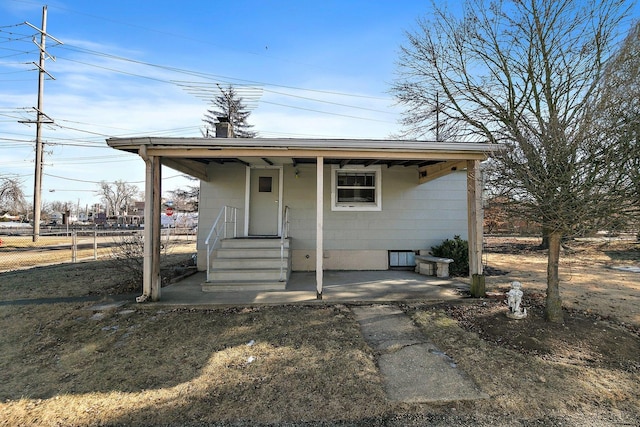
{"x": 99, "y": 182}
{"x": 221, "y": 78}
{"x": 326, "y": 112}
{"x": 182, "y": 84}
{"x": 18, "y": 37}
{"x": 199, "y": 89}
{"x": 266, "y": 102}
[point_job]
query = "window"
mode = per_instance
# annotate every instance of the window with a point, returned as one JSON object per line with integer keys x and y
{"x": 264, "y": 184}
{"x": 356, "y": 188}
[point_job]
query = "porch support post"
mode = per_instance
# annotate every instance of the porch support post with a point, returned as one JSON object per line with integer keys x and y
{"x": 319, "y": 225}
{"x": 151, "y": 282}
{"x": 475, "y": 221}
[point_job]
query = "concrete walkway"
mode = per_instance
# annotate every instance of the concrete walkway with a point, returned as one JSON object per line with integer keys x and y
{"x": 414, "y": 370}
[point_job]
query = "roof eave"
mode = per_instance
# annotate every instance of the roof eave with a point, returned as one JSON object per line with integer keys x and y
{"x": 271, "y": 144}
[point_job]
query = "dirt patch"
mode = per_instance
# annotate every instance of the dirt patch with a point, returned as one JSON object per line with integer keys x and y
{"x": 582, "y": 340}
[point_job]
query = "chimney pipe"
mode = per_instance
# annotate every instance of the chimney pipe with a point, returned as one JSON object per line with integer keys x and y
{"x": 224, "y": 128}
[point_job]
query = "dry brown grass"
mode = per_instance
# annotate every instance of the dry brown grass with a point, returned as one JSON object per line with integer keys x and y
{"x": 19, "y": 252}
{"x": 526, "y": 385}
{"x": 22, "y": 252}
{"x": 15, "y": 242}
{"x": 587, "y": 281}
{"x": 86, "y": 277}
{"x": 153, "y": 366}
{"x": 71, "y": 365}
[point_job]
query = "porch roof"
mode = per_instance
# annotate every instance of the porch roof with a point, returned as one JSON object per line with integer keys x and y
{"x": 192, "y": 155}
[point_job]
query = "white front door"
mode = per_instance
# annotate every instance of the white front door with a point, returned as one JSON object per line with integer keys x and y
{"x": 264, "y": 201}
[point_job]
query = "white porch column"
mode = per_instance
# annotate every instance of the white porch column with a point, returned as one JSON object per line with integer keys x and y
{"x": 151, "y": 282}
{"x": 319, "y": 225}
{"x": 475, "y": 223}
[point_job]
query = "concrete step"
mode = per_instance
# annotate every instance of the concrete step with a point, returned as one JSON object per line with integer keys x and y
{"x": 261, "y": 285}
{"x": 246, "y": 263}
{"x": 250, "y": 275}
{"x": 250, "y": 253}
{"x": 253, "y": 243}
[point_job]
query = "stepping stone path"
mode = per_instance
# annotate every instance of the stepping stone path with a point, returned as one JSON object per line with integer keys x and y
{"x": 414, "y": 369}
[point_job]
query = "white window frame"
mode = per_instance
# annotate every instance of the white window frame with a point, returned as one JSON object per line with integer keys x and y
{"x": 354, "y": 206}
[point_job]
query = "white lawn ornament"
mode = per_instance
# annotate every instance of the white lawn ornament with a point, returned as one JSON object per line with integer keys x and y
{"x": 514, "y": 300}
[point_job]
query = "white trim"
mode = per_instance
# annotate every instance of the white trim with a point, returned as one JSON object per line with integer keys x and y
{"x": 247, "y": 195}
{"x": 377, "y": 206}
{"x": 319, "y": 226}
{"x": 400, "y": 146}
{"x": 280, "y": 199}
{"x": 247, "y": 190}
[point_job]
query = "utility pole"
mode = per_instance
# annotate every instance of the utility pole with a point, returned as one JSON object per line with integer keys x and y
{"x": 437, "y": 117}
{"x": 41, "y": 119}
{"x": 438, "y": 124}
{"x": 437, "y": 111}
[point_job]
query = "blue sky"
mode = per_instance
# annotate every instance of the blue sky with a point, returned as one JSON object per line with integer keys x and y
{"x": 319, "y": 69}
{"x": 310, "y": 69}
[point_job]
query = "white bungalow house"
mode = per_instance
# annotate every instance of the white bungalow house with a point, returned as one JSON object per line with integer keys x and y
{"x": 269, "y": 206}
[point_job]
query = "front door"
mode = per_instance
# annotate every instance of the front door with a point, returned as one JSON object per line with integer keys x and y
{"x": 264, "y": 203}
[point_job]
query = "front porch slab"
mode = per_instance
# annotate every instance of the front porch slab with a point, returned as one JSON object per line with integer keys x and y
{"x": 339, "y": 286}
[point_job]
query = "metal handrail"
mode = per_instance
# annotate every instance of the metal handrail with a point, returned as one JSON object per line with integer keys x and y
{"x": 219, "y": 229}
{"x": 283, "y": 237}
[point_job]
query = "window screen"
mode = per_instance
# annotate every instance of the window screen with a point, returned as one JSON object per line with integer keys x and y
{"x": 356, "y": 187}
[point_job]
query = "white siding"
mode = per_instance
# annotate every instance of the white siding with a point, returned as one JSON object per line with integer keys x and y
{"x": 226, "y": 187}
{"x": 413, "y": 216}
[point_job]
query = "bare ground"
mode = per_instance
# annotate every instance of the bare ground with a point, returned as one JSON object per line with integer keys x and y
{"x": 589, "y": 281}
{"x": 72, "y": 365}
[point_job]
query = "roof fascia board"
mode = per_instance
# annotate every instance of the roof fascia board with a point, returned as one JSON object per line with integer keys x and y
{"x": 313, "y": 153}
{"x": 349, "y": 144}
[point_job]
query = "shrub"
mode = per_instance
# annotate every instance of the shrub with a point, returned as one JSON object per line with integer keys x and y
{"x": 127, "y": 254}
{"x": 456, "y": 249}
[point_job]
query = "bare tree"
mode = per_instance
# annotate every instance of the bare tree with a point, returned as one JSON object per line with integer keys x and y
{"x": 616, "y": 110}
{"x": 118, "y": 196}
{"x": 186, "y": 199}
{"x": 11, "y": 196}
{"x": 523, "y": 73}
{"x": 232, "y": 107}
{"x": 58, "y": 206}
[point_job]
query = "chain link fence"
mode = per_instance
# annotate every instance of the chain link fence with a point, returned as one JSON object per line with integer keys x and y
{"x": 62, "y": 245}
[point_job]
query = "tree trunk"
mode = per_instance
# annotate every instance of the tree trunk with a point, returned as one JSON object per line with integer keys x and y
{"x": 545, "y": 238}
{"x": 545, "y": 242}
{"x": 553, "y": 310}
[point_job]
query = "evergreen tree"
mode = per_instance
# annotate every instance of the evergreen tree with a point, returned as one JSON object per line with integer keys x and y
{"x": 232, "y": 107}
